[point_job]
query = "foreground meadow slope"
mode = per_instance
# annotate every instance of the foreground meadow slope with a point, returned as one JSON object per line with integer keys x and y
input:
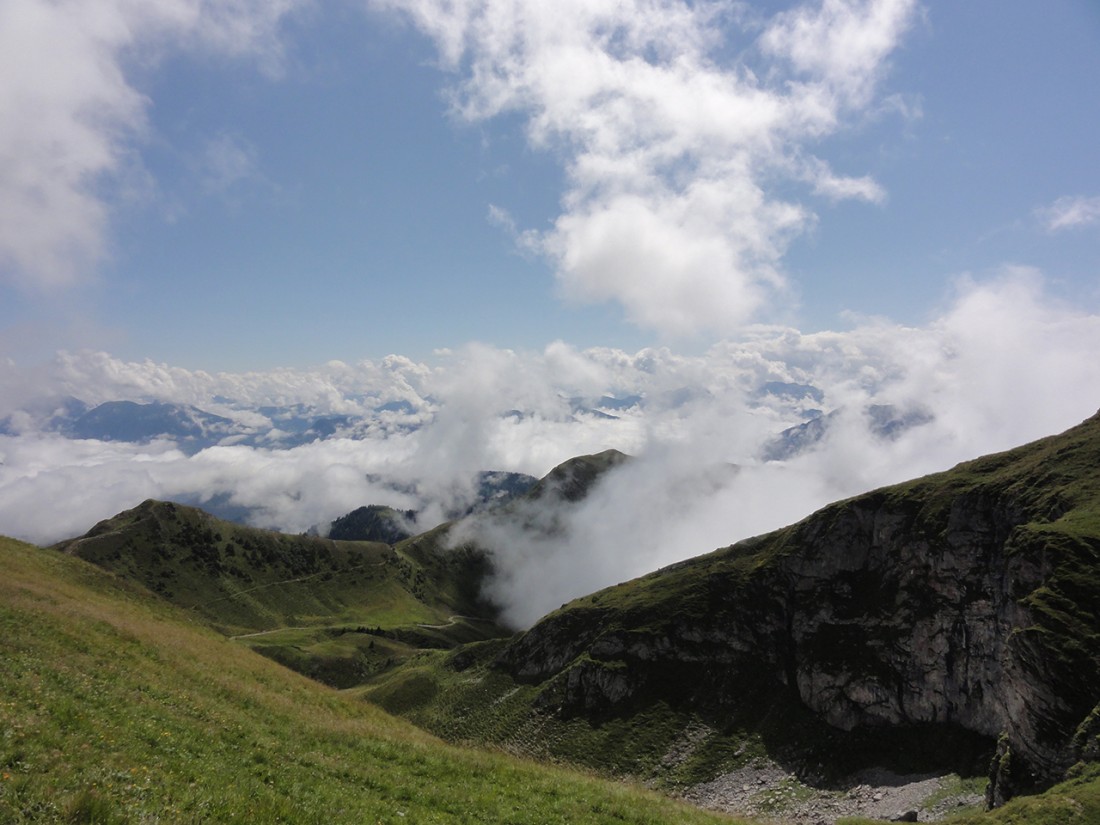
{"x": 116, "y": 707}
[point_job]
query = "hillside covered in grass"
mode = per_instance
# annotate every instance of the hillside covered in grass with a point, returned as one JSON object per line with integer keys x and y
{"x": 337, "y": 611}
{"x": 117, "y": 707}
{"x": 243, "y": 579}
{"x": 949, "y": 626}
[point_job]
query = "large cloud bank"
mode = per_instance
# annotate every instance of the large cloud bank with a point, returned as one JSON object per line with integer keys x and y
{"x": 675, "y": 140}
{"x": 1003, "y": 365}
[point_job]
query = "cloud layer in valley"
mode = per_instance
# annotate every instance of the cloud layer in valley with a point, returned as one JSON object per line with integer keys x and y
{"x": 897, "y": 402}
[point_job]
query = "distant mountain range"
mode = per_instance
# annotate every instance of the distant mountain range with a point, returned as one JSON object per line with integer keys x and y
{"x": 375, "y": 522}
{"x": 193, "y": 429}
{"x": 138, "y": 423}
{"x": 884, "y": 421}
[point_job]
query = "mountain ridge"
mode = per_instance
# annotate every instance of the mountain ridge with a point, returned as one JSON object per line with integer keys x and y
{"x": 960, "y": 607}
{"x": 337, "y": 611}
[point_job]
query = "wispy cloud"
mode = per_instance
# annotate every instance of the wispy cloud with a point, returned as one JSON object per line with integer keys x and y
{"x": 1070, "y": 212}
{"x": 227, "y": 160}
{"x": 71, "y": 119}
{"x": 672, "y": 146}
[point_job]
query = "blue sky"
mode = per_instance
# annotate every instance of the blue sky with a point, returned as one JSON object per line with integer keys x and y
{"x": 302, "y": 188}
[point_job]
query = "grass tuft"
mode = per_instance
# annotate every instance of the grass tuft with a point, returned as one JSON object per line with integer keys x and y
{"x": 88, "y": 807}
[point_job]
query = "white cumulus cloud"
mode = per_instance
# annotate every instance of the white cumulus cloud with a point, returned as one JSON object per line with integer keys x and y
{"x": 672, "y": 146}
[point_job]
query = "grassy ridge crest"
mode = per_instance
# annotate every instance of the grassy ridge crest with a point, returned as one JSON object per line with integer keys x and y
{"x": 337, "y": 611}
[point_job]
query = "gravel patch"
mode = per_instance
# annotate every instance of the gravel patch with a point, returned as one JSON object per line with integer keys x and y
{"x": 765, "y": 790}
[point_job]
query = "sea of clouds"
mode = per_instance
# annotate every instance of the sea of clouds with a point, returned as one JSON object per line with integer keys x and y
{"x": 1003, "y": 365}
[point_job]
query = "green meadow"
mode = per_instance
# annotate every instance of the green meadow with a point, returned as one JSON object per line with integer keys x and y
{"x": 116, "y": 707}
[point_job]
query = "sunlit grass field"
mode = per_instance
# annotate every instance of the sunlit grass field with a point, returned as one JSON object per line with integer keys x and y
{"x": 117, "y": 708}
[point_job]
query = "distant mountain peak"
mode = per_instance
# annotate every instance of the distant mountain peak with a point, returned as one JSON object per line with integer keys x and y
{"x": 573, "y": 479}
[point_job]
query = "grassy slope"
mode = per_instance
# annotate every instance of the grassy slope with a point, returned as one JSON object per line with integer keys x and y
{"x": 117, "y": 707}
{"x": 571, "y": 480}
{"x": 241, "y": 579}
{"x": 305, "y": 601}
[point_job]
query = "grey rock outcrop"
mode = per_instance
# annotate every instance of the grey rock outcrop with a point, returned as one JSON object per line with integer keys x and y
{"x": 966, "y": 600}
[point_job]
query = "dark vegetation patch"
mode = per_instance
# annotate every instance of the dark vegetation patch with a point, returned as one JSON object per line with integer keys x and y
{"x": 295, "y": 598}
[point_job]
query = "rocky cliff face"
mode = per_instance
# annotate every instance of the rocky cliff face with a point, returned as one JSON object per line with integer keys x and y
{"x": 966, "y": 600}
{"x": 897, "y": 622}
